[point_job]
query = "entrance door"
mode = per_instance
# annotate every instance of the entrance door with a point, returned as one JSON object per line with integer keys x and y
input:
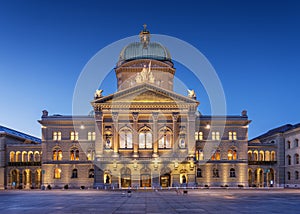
{"x": 125, "y": 181}
{"x": 165, "y": 180}
{"x": 145, "y": 180}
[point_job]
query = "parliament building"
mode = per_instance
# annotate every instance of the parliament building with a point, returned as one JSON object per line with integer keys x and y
{"x": 147, "y": 136}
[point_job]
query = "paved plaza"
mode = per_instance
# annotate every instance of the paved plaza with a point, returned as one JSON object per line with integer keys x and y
{"x": 196, "y": 201}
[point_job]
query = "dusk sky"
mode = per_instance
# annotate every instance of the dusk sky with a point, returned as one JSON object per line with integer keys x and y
{"x": 254, "y": 47}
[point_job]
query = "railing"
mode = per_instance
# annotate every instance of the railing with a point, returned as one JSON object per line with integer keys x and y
{"x": 262, "y": 162}
{"x": 32, "y": 163}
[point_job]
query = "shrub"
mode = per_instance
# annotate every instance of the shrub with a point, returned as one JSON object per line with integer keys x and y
{"x": 82, "y": 187}
{"x": 49, "y": 187}
{"x": 240, "y": 185}
{"x": 66, "y": 186}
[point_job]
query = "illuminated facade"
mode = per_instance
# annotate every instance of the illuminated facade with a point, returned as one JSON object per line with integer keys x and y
{"x": 20, "y": 163}
{"x": 145, "y": 134}
{"x": 273, "y": 158}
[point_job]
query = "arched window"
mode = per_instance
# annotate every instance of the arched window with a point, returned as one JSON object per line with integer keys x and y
{"x": 37, "y": 156}
{"x": 30, "y": 156}
{"x": 145, "y": 138}
{"x": 90, "y": 155}
{"x": 57, "y": 154}
{"x": 288, "y": 175}
{"x": 74, "y": 154}
{"x": 261, "y": 155}
{"x": 91, "y": 173}
{"x": 215, "y": 173}
{"x": 249, "y": 155}
{"x": 232, "y": 173}
{"x": 165, "y": 138}
{"x": 108, "y": 139}
{"x": 74, "y": 173}
{"x": 216, "y": 155}
{"x": 255, "y": 155}
{"x": 24, "y": 156}
{"x": 57, "y": 173}
{"x": 18, "y": 156}
{"x": 289, "y": 160}
{"x": 296, "y": 158}
{"x": 296, "y": 175}
{"x": 288, "y": 144}
{"x": 12, "y": 156}
{"x": 267, "y": 156}
{"x": 296, "y": 143}
{"x": 232, "y": 154}
{"x": 199, "y": 173}
{"x": 125, "y": 138}
{"x": 107, "y": 178}
{"x": 200, "y": 155}
{"x": 273, "y": 157}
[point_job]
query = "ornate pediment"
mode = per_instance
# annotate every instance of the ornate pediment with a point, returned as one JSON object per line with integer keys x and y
{"x": 146, "y": 93}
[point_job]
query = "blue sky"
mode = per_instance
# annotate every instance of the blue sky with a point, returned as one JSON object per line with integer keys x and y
{"x": 253, "y": 46}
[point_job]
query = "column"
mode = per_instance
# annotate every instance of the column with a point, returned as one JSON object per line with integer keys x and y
{"x": 190, "y": 133}
{"x": 99, "y": 134}
{"x": 155, "y": 134}
{"x": 175, "y": 116}
{"x": 115, "y": 117}
{"x": 135, "y": 116}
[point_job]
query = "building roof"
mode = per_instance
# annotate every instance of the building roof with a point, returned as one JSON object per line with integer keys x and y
{"x": 18, "y": 134}
{"x": 280, "y": 129}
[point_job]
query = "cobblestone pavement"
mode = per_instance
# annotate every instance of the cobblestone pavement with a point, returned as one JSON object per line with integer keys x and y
{"x": 196, "y": 201}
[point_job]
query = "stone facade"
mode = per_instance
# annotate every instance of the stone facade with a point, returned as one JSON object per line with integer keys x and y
{"x": 20, "y": 160}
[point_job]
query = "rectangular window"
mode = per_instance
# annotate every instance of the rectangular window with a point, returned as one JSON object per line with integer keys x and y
{"x": 232, "y": 135}
{"x": 215, "y": 135}
{"x": 200, "y": 135}
{"x": 196, "y": 136}
{"x": 74, "y": 136}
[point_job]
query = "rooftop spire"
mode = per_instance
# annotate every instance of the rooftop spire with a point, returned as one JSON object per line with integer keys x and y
{"x": 145, "y": 36}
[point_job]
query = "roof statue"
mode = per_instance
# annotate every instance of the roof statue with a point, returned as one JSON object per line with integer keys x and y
{"x": 191, "y": 94}
{"x": 98, "y": 93}
{"x": 145, "y": 75}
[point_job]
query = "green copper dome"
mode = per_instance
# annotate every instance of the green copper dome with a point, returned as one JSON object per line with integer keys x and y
{"x": 144, "y": 50}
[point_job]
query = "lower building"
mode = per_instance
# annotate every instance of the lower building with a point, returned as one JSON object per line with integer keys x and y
{"x": 21, "y": 158}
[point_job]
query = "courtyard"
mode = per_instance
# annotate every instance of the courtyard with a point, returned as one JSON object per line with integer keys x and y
{"x": 169, "y": 201}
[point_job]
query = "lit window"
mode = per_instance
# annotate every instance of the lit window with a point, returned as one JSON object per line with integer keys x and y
{"x": 216, "y": 155}
{"x": 273, "y": 156}
{"x": 126, "y": 139}
{"x": 165, "y": 138}
{"x": 57, "y": 173}
{"x": 200, "y": 155}
{"x": 57, "y": 154}
{"x": 232, "y": 173}
{"x": 74, "y": 154}
{"x": 90, "y": 155}
{"x": 56, "y": 135}
{"x": 249, "y": 155}
{"x": 196, "y": 136}
{"x": 24, "y": 156}
{"x": 12, "y": 156}
{"x": 145, "y": 139}
{"x": 74, "y": 136}
{"x": 232, "y": 135}
{"x": 91, "y": 136}
{"x": 215, "y": 136}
